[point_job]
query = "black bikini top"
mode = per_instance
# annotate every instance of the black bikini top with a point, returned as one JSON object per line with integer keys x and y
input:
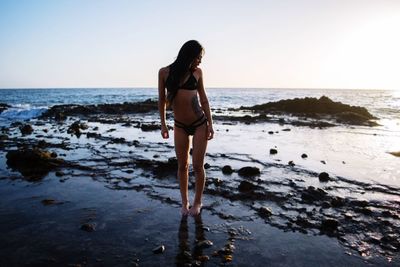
{"x": 190, "y": 84}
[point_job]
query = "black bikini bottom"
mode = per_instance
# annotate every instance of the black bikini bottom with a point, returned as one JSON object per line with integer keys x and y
{"x": 191, "y": 129}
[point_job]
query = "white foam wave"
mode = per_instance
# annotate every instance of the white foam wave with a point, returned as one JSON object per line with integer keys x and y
{"x": 22, "y": 112}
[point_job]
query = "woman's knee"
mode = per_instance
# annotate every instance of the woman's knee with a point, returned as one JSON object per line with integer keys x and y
{"x": 183, "y": 167}
{"x": 198, "y": 167}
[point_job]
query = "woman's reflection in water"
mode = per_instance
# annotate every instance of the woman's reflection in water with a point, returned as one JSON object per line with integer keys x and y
{"x": 185, "y": 257}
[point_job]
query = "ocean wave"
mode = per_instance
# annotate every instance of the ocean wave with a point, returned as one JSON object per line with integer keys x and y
{"x": 22, "y": 112}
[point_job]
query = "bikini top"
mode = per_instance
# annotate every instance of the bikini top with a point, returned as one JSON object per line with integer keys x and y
{"x": 190, "y": 84}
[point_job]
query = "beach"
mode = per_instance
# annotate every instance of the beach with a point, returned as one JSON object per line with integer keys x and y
{"x": 281, "y": 190}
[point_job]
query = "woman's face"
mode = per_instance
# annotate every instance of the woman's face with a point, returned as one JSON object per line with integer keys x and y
{"x": 196, "y": 62}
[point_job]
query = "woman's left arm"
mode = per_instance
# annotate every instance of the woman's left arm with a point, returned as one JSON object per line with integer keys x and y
{"x": 205, "y": 106}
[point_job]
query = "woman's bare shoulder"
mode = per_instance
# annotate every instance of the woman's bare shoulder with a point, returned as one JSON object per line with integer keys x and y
{"x": 164, "y": 71}
{"x": 198, "y": 72}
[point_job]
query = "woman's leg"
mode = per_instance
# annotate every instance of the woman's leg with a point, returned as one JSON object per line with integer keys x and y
{"x": 199, "y": 150}
{"x": 181, "y": 140}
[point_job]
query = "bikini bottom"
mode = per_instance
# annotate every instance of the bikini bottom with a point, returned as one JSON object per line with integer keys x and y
{"x": 191, "y": 129}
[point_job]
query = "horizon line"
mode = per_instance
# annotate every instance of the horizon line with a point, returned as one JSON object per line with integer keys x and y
{"x": 211, "y": 87}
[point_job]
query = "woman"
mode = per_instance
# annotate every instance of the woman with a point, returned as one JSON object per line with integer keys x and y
{"x": 184, "y": 83}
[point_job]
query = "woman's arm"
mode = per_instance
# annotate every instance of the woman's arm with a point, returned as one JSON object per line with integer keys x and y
{"x": 162, "y": 102}
{"x": 205, "y": 106}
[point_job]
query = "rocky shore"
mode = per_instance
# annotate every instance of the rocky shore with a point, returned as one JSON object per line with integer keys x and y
{"x": 70, "y": 141}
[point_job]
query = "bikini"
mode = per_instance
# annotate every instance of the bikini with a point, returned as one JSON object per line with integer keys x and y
{"x": 191, "y": 84}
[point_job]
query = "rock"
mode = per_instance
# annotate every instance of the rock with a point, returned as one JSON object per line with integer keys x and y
{"x": 3, "y": 107}
{"x": 249, "y": 171}
{"x": 246, "y": 186}
{"x": 48, "y": 202}
{"x": 264, "y": 212}
{"x": 291, "y": 163}
{"x": 88, "y": 227}
{"x": 159, "y": 249}
{"x": 75, "y": 128}
{"x": 26, "y": 129}
{"x": 286, "y": 130}
{"x": 59, "y": 173}
{"x": 53, "y": 155}
{"x": 150, "y": 127}
{"x": 270, "y": 132}
{"x": 315, "y": 108}
{"x": 337, "y": 202}
{"x": 323, "y": 161}
{"x": 329, "y": 225}
{"x": 304, "y": 156}
{"x": 312, "y": 194}
{"x": 273, "y": 151}
{"x": 204, "y": 244}
{"x": 207, "y": 166}
{"x": 227, "y": 169}
{"x": 32, "y": 163}
{"x": 59, "y": 116}
{"x": 92, "y": 135}
{"x": 323, "y": 177}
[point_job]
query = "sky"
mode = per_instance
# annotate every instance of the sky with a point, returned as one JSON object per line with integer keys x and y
{"x": 352, "y": 44}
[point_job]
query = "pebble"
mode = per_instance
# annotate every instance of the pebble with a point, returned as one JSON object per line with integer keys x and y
{"x": 159, "y": 249}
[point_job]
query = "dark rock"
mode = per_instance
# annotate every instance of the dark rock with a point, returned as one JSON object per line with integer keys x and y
{"x": 249, "y": 171}
{"x": 88, "y": 227}
{"x": 92, "y": 135}
{"x": 204, "y": 244}
{"x": 32, "y": 163}
{"x": 326, "y": 205}
{"x": 3, "y": 107}
{"x": 337, "y": 202}
{"x": 329, "y": 225}
{"x": 323, "y": 177}
{"x": 26, "y": 129}
{"x": 76, "y": 128}
{"x": 315, "y": 108}
{"x": 59, "y": 116}
{"x": 159, "y": 249}
{"x": 150, "y": 127}
{"x": 312, "y": 194}
{"x": 286, "y": 130}
{"x": 271, "y": 132}
{"x": 264, "y": 212}
{"x": 86, "y": 110}
{"x": 48, "y": 202}
{"x": 323, "y": 161}
{"x": 207, "y": 166}
{"x": 246, "y": 186}
{"x": 304, "y": 156}
{"x": 227, "y": 169}
{"x": 273, "y": 151}
{"x": 59, "y": 173}
{"x": 291, "y": 163}
{"x": 53, "y": 155}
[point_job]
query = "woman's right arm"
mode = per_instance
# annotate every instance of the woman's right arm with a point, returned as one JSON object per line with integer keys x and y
{"x": 162, "y": 102}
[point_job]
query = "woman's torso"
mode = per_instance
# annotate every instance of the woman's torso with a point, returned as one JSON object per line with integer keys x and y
{"x": 185, "y": 104}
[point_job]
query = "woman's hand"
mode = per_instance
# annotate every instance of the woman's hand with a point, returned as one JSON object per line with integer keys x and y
{"x": 164, "y": 132}
{"x": 210, "y": 132}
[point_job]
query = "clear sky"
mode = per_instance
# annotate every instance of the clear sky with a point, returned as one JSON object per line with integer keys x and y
{"x": 248, "y": 43}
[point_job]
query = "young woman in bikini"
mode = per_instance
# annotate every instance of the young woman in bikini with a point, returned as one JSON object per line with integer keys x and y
{"x": 181, "y": 85}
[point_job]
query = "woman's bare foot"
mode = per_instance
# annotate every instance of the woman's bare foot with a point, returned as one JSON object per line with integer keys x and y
{"x": 195, "y": 209}
{"x": 185, "y": 210}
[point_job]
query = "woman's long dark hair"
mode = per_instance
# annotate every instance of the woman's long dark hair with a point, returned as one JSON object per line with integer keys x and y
{"x": 181, "y": 66}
